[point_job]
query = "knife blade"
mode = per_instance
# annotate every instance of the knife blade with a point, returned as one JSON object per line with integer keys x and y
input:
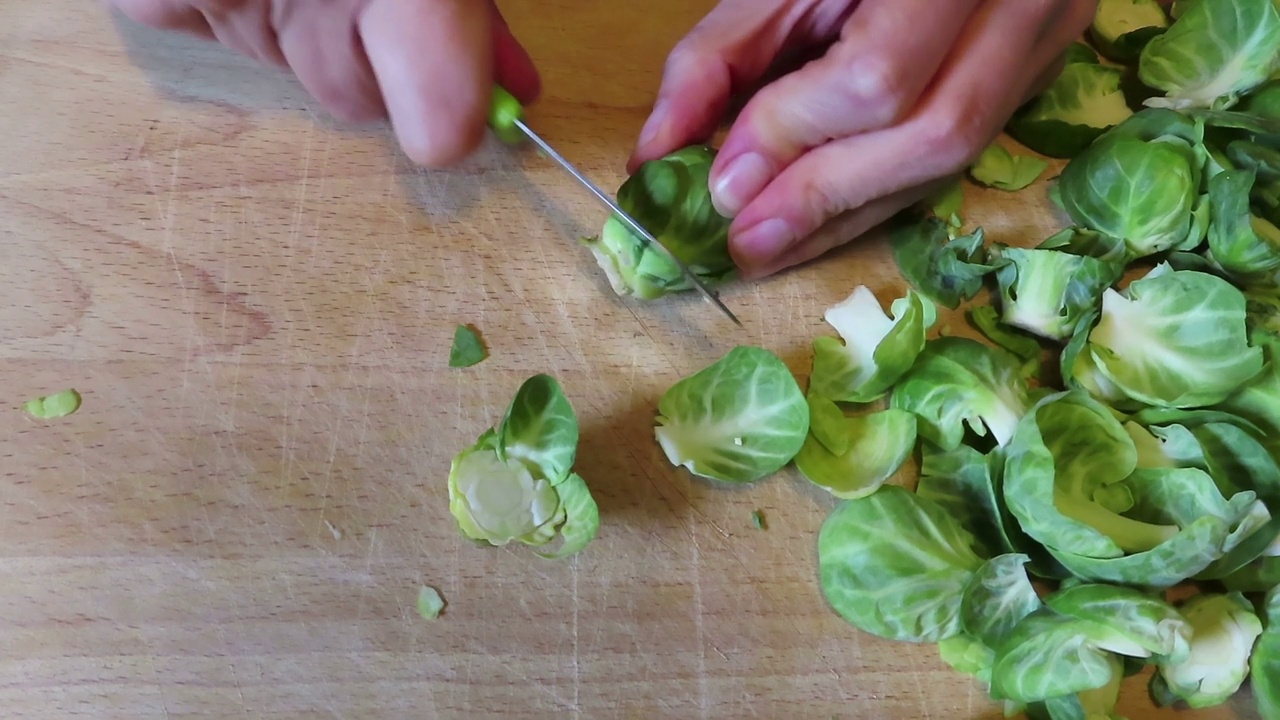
{"x": 506, "y": 119}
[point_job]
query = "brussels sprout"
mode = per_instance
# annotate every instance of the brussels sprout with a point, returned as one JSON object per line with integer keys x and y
{"x": 1213, "y": 53}
{"x": 1083, "y": 102}
{"x": 671, "y": 198}
{"x": 1243, "y": 245}
{"x": 1142, "y": 192}
{"x": 737, "y": 420}
{"x": 1121, "y": 28}
{"x": 1224, "y": 628}
{"x": 516, "y": 483}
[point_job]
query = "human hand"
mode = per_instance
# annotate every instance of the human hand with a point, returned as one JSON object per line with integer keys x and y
{"x": 427, "y": 65}
{"x": 907, "y": 95}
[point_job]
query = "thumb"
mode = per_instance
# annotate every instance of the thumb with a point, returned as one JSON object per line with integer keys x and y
{"x": 887, "y": 55}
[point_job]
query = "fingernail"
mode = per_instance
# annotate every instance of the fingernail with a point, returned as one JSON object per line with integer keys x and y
{"x": 649, "y": 132}
{"x": 745, "y": 176}
{"x": 762, "y": 243}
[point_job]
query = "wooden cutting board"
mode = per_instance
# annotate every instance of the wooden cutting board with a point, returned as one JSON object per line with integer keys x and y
{"x": 257, "y": 304}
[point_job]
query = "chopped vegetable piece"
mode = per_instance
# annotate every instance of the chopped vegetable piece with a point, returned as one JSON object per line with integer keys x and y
{"x": 1085, "y": 100}
{"x": 998, "y": 168}
{"x": 467, "y": 349}
{"x": 1123, "y": 27}
{"x": 737, "y": 420}
{"x": 429, "y": 603}
{"x": 876, "y": 350}
{"x": 57, "y": 405}
{"x": 1223, "y": 630}
{"x": 757, "y": 520}
{"x": 876, "y": 445}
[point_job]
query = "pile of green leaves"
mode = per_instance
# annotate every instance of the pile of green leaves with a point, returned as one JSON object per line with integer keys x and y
{"x": 1098, "y": 486}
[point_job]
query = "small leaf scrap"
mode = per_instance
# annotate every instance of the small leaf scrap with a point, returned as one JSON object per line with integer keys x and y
{"x": 467, "y": 349}
{"x": 54, "y": 406}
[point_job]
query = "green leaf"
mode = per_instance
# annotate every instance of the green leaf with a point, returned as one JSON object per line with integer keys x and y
{"x": 873, "y": 351}
{"x": 581, "y": 518}
{"x": 943, "y": 269}
{"x": 998, "y": 168}
{"x": 1048, "y": 292}
{"x": 895, "y": 565}
{"x": 875, "y": 446}
{"x": 59, "y": 404}
{"x": 1214, "y": 52}
{"x": 1264, "y": 664}
{"x": 1224, "y": 628}
{"x": 996, "y": 599}
{"x": 739, "y": 419}
{"x": 1084, "y": 101}
{"x": 429, "y": 603}
{"x": 467, "y": 349}
{"x": 540, "y": 429}
{"x": 1150, "y": 624}
{"x": 1048, "y": 655}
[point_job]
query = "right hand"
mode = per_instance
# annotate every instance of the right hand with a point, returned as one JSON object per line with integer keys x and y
{"x": 428, "y": 66}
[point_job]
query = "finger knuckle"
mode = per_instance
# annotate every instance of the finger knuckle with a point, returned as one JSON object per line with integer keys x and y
{"x": 954, "y": 136}
{"x": 877, "y": 86}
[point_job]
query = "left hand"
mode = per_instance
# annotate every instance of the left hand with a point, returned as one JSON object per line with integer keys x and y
{"x": 908, "y": 94}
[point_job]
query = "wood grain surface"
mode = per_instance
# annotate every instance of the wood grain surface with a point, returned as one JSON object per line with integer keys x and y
{"x": 257, "y": 303}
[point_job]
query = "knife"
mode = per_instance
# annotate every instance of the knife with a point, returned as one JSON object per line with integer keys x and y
{"x": 506, "y": 119}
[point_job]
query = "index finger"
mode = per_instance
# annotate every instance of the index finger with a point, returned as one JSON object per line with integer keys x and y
{"x": 434, "y": 62}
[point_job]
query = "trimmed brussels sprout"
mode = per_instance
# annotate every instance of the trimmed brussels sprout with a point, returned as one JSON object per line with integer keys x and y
{"x": 1142, "y": 192}
{"x": 1224, "y": 628}
{"x": 1213, "y": 53}
{"x": 737, "y": 420}
{"x": 1121, "y": 28}
{"x": 1083, "y": 102}
{"x": 671, "y": 198}
{"x": 516, "y": 483}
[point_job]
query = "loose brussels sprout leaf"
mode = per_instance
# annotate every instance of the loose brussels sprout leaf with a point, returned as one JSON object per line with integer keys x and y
{"x": 1213, "y": 53}
{"x": 757, "y": 520}
{"x": 996, "y": 599}
{"x": 467, "y": 349}
{"x": 1048, "y": 292}
{"x": 540, "y": 429}
{"x": 1078, "y": 52}
{"x": 1263, "y": 102}
{"x": 876, "y": 350}
{"x": 968, "y": 655}
{"x": 1258, "y": 400}
{"x": 1064, "y": 449}
{"x": 515, "y": 483}
{"x": 958, "y": 382}
{"x": 59, "y": 404}
{"x": 1079, "y": 241}
{"x": 876, "y": 445}
{"x": 1080, "y": 372}
{"x": 1048, "y": 655}
{"x": 998, "y": 168}
{"x": 1026, "y": 346}
{"x": 1083, "y": 102}
{"x": 1176, "y": 338}
{"x": 943, "y": 269}
{"x": 895, "y": 565}
{"x": 671, "y": 198}
{"x": 1264, "y": 673}
{"x": 429, "y": 603}
{"x": 1146, "y": 621}
{"x": 1258, "y": 576}
{"x": 1123, "y": 27}
{"x": 1224, "y": 628}
{"x": 947, "y": 202}
{"x": 1241, "y": 244}
{"x": 827, "y": 424}
{"x": 1095, "y": 704}
{"x": 966, "y": 484}
{"x": 1262, "y": 159}
{"x": 738, "y": 420}
{"x": 1141, "y": 192}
